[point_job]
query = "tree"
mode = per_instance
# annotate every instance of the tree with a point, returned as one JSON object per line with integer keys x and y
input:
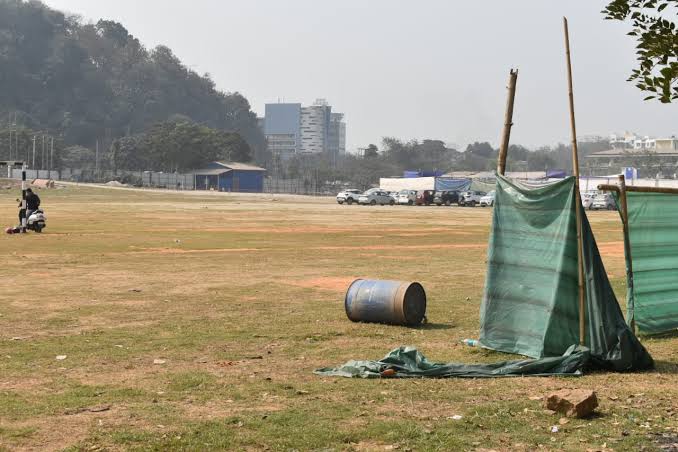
{"x": 371, "y": 151}
{"x": 178, "y": 145}
{"x": 654, "y": 26}
{"x": 481, "y": 150}
{"x": 78, "y": 157}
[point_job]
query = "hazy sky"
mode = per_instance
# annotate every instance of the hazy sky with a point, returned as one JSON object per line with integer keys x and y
{"x": 424, "y": 69}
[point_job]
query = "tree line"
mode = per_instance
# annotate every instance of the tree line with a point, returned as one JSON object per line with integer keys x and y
{"x": 394, "y": 156}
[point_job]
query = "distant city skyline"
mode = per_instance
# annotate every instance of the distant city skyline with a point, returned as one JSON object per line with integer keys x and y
{"x": 425, "y": 70}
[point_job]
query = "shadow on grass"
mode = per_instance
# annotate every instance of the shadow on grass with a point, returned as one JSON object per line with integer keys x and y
{"x": 666, "y": 367}
{"x": 433, "y": 326}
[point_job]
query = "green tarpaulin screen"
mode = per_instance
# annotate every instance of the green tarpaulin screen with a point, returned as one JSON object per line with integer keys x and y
{"x": 530, "y": 302}
{"x": 652, "y": 296}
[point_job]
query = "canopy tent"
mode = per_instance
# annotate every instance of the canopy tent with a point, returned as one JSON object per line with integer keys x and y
{"x": 530, "y": 302}
{"x": 652, "y": 287}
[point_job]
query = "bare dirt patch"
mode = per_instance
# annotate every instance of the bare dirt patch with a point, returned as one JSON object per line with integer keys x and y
{"x": 403, "y": 247}
{"x": 185, "y": 251}
{"x": 611, "y": 249}
{"x": 337, "y": 284}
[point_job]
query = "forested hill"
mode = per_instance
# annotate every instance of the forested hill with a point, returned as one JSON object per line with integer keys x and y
{"x": 84, "y": 82}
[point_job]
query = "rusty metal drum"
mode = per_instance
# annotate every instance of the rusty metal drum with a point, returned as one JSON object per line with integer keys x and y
{"x": 381, "y": 301}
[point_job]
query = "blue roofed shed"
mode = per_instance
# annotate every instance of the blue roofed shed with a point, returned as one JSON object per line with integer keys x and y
{"x": 223, "y": 176}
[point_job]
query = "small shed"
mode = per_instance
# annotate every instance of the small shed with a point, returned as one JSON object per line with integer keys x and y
{"x": 225, "y": 176}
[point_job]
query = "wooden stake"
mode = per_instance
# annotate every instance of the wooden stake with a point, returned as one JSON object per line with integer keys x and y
{"x": 508, "y": 122}
{"x": 627, "y": 241}
{"x": 578, "y": 213}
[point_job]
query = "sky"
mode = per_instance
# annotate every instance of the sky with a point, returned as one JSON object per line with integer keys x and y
{"x": 433, "y": 69}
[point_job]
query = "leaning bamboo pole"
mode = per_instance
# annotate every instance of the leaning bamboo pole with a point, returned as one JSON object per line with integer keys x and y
{"x": 627, "y": 242}
{"x": 578, "y": 207}
{"x": 508, "y": 122}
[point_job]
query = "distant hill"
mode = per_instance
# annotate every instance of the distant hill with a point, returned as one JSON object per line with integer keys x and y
{"x": 83, "y": 82}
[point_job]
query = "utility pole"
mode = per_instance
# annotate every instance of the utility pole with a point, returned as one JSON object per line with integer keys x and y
{"x": 42, "y": 156}
{"x": 96, "y": 160}
{"x": 9, "y": 126}
{"x": 51, "y": 157}
{"x": 33, "y": 165}
{"x": 16, "y": 136}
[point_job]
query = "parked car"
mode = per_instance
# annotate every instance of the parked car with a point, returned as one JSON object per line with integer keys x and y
{"x": 376, "y": 196}
{"x": 394, "y": 195}
{"x": 587, "y": 199}
{"x": 446, "y": 197}
{"x": 603, "y": 201}
{"x": 425, "y": 197}
{"x": 348, "y": 196}
{"x": 408, "y": 197}
{"x": 471, "y": 198}
{"x": 488, "y": 199}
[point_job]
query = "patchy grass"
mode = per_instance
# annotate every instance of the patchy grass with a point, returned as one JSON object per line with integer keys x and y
{"x": 194, "y": 321}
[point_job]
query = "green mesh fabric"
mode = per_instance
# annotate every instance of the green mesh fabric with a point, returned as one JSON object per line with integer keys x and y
{"x": 408, "y": 362}
{"x": 652, "y": 291}
{"x": 530, "y": 302}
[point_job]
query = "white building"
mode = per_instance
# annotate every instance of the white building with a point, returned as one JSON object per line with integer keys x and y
{"x": 315, "y": 127}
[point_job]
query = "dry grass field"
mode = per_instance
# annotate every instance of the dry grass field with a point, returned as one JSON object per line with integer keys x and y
{"x": 194, "y": 322}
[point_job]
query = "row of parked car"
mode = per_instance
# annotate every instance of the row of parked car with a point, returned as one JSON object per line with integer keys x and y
{"x": 376, "y": 196}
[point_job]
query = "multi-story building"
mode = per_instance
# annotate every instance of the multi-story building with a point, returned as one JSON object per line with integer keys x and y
{"x": 337, "y": 134}
{"x": 315, "y": 127}
{"x": 650, "y": 156}
{"x": 282, "y": 129}
{"x": 291, "y": 129}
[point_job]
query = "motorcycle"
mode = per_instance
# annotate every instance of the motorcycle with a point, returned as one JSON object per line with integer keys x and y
{"x": 36, "y": 221}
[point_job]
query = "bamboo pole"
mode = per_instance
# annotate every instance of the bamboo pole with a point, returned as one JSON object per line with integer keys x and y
{"x": 627, "y": 242}
{"x": 508, "y": 122}
{"x": 639, "y": 189}
{"x": 578, "y": 213}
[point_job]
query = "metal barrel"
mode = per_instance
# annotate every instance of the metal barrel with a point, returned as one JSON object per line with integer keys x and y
{"x": 394, "y": 302}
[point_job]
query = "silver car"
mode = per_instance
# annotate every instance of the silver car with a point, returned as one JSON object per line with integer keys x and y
{"x": 376, "y": 196}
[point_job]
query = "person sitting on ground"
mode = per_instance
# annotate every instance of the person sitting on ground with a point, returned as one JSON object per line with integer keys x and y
{"x": 32, "y": 202}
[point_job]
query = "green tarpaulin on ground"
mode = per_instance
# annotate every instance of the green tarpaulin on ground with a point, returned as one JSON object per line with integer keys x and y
{"x": 652, "y": 294}
{"x": 408, "y": 362}
{"x": 530, "y": 303}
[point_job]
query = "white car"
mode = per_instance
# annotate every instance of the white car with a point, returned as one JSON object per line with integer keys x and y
{"x": 408, "y": 197}
{"x": 348, "y": 196}
{"x": 376, "y": 196}
{"x": 471, "y": 198}
{"x": 587, "y": 199}
{"x": 603, "y": 201}
{"x": 488, "y": 199}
